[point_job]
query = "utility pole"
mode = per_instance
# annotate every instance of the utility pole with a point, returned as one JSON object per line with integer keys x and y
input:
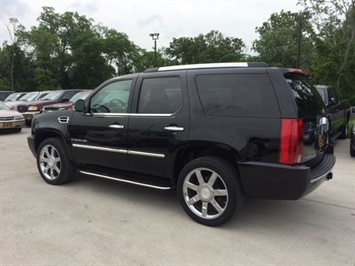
{"x": 155, "y": 37}
{"x": 299, "y": 18}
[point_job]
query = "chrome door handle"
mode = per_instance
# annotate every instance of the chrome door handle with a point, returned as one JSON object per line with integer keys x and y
{"x": 174, "y": 128}
{"x": 116, "y": 126}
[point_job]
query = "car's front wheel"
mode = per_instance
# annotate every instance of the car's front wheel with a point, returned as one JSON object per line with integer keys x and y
{"x": 53, "y": 163}
{"x": 209, "y": 190}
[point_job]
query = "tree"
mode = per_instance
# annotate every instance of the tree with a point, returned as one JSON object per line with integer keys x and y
{"x": 212, "y": 47}
{"x": 277, "y": 44}
{"x": 335, "y": 34}
{"x": 69, "y": 51}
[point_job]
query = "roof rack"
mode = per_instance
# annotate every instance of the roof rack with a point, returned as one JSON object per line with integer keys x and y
{"x": 208, "y": 65}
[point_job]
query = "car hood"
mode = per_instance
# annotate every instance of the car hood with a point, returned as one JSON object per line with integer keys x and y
{"x": 12, "y": 104}
{"x": 7, "y": 113}
{"x": 38, "y": 103}
{"x": 59, "y": 105}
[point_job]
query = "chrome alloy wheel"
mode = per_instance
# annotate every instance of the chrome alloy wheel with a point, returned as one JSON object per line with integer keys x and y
{"x": 205, "y": 193}
{"x": 50, "y": 162}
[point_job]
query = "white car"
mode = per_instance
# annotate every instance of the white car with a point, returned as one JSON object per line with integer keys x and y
{"x": 10, "y": 120}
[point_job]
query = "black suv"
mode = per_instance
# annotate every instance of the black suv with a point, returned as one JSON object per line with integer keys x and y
{"x": 216, "y": 132}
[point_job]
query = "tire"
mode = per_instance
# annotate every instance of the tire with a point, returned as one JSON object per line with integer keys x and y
{"x": 197, "y": 187}
{"x": 28, "y": 123}
{"x": 352, "y": 151}
{"x": 53, "y": 163}
{"x": 17, "y": 130}
{"x": 344, "y": 131}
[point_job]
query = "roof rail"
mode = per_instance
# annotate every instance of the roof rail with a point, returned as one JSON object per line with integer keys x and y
{"x": 208, "y": 65}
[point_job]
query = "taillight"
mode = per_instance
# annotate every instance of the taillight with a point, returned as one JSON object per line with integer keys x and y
{"x": 291, "y": 141}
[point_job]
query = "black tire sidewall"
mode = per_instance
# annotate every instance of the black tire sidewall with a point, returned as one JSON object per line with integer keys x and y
{"x": 231, "y": 179}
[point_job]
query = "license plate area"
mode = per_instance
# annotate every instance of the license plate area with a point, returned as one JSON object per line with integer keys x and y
{"x": 321, "y": 141}
{"x": 7, "y": 125}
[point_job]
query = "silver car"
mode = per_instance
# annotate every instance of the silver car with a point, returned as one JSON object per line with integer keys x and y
{"x": 10, "y": 119}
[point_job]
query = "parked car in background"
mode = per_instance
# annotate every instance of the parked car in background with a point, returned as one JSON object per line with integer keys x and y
{"x": 29, "y": 97}
{"x": 10, "y": 119}
{"x": 5, "y": 94}
{"x": 30, "y": 109}
{"x": 14, "y": 96}
{"x": 66, "y": 105}
{"x": 338, "y": 111}
{"x": 352, "y": 141}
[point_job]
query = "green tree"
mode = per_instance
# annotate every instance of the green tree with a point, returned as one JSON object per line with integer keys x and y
{"x": 334, "y": 23}
{"x": 277, "y": 44}
{"x": 212, "y": 47}
{"x": 69, "y": 51}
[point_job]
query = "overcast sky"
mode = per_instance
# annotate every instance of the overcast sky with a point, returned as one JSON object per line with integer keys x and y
{"x": 170, "y": 18}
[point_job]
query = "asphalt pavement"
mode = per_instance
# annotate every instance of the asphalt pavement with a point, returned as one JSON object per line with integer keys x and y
{"x": 92, "y": 221}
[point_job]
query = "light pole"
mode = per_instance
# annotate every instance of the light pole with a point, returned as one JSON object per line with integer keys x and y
{"x": 155, "y": 37}
{"x": 299, "y": 18}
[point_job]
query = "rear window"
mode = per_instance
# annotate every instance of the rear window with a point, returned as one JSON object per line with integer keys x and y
{"x": 307, "y": 98}
{"x": 242, "y": 95}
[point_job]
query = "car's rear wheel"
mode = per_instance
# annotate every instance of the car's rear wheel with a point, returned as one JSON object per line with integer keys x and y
{"x": 53, "y": 163}
{"x": 344, "y": 130}
{"x": 209, "y": 190}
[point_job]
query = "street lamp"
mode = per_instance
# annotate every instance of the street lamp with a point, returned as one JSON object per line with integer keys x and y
{"x": 155, "y": 37}
{"x": 299, "y": 18}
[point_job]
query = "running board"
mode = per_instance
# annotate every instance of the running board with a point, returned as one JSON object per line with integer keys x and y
{"x": 127, "y": 181}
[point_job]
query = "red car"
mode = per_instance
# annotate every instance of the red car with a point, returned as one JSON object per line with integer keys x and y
{"x": 30, "y": 109}
{"x": 66, "y": 105}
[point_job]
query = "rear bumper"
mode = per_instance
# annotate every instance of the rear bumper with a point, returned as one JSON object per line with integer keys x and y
{"x": 14, "y": 124}
{"x": 284, "y": 182}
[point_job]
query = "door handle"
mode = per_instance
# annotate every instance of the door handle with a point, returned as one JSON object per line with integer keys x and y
{"x": 174, "y": 128}
{"x": 116, "y": 126}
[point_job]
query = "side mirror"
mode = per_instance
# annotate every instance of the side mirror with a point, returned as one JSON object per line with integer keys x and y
{"x": 79, "y": 105}
{"x": 333, "y": 101}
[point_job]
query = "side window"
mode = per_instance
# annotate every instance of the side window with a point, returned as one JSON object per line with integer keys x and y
{"x": 242, "y": 95}
{"x": 160, "y": 96}
{"x": 113, "y": 98}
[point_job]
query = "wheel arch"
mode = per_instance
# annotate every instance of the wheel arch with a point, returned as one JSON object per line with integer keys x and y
{"x": 46, "y": 134}
{"x": 187, "y": 154}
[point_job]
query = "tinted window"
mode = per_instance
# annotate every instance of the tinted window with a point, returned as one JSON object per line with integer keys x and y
{"x": 113, "y": 98}
{"x": 160, "y": 96}
{"x": 307, "y": 98}
{"x": 69, "y": 94}
{"x": 237, "y": 95}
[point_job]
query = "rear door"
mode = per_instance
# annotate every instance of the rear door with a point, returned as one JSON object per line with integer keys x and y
{"x": 159, "y": 123}
{"x": 335, "y": 110}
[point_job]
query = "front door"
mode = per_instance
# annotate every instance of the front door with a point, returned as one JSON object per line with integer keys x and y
{"x": 99, "y": 135}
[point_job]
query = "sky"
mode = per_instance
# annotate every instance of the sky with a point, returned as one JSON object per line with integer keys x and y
{"x": 170, "y": 18}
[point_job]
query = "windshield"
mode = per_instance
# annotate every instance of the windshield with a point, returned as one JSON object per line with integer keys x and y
{"x": 52, "y": 96}
{"x": 31, "y": 96}
{"x": 13, "y": 97}
{"x": 80, "y": 95}
{"x": 3, "y": 106}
